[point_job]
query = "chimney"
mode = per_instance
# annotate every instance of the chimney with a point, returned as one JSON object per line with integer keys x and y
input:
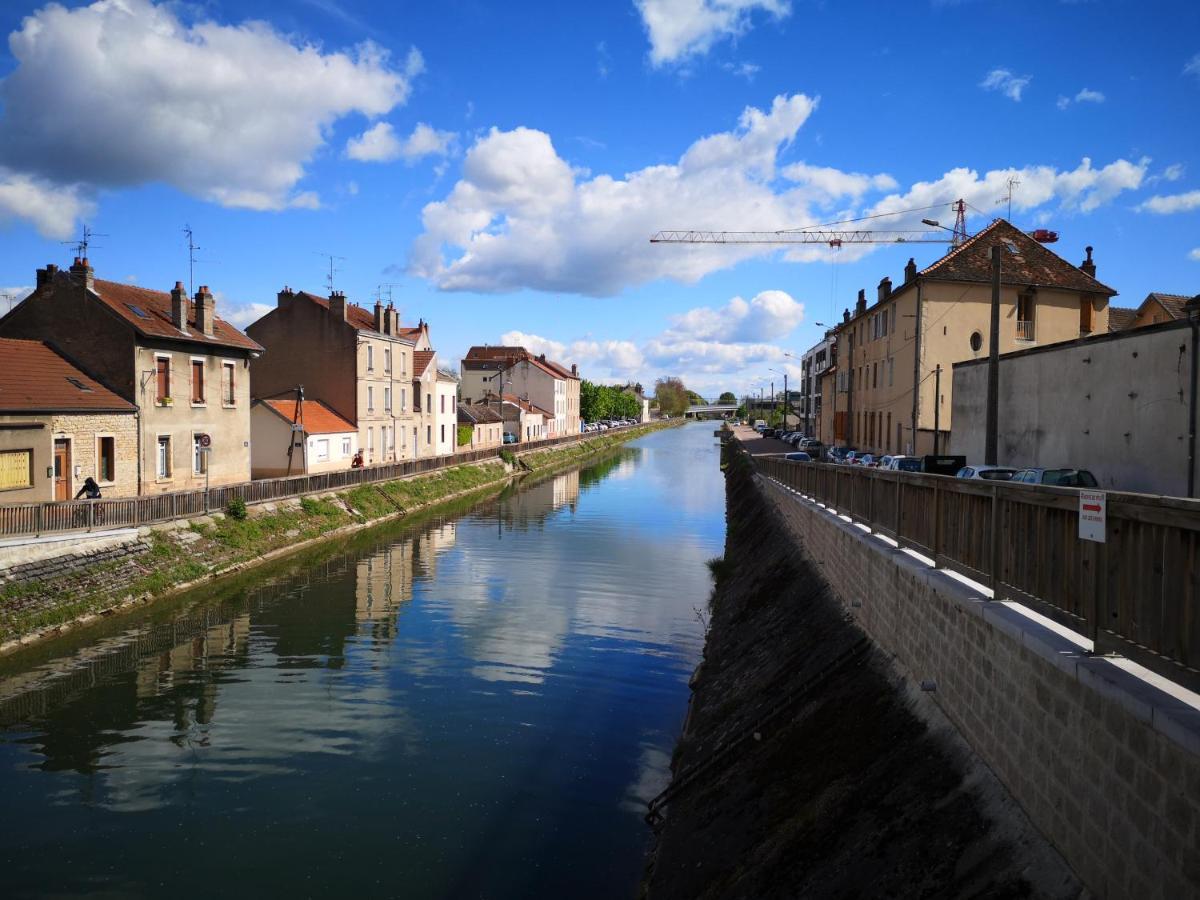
{"x": 846, "y": 314}
{"x": 206, "y": 309}
{"x": 574, "y": 369}
{"x": 379, "y": 316}
{"x": 393, "y": 320}
{"x": 46, "y": 275}
{"x": 81, "y": 273}
{"x": 285, "y": 297}
{"x": 910, "y": 270}
{"x": 179, "y": 307}
{"x": 861, "y": 306}
{"x": 542, "y": 357}
{"x": 885, "y": 288}
{"x": 1088, "y": 267}
{"x": 337, "y": 305}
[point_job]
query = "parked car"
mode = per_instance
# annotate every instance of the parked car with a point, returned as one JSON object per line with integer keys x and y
{"x": 813, "y": 448}
{"x": 852, "y": 457}
{"x": 989, "y": 473}
{"x": 1076, "y": 478}
{"x": 866, "y": 459}
{"x": 904, "y": 464}
{"x": 509, "y": 437}
{"x": 839, "y": 454}
{"x": 798, "y": 456}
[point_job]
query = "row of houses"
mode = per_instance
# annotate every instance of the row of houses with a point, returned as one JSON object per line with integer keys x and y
{"x": 148, "y": 392}
{"x": 887, "y": 378}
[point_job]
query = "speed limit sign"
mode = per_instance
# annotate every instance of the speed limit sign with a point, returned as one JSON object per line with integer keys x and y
{"x": 205, "y": 441}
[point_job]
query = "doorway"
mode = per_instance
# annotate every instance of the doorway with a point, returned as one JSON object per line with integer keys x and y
{"x": 62, "y": 469}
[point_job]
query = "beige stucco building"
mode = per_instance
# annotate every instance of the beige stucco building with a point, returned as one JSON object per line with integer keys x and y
{"x": 320, "y": 439}
{"x": 486, "y": 423}
{"x": 539, "y": 381}
{"x": 184, "y": 370}
{"x": 938, "y": 316}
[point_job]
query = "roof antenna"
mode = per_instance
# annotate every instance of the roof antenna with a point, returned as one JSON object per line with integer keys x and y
{"x": 81, "y": 245}
{"x": 192, "y": 248}
{"x": 1013, "y": 182}
{"x": 332, "y": 269}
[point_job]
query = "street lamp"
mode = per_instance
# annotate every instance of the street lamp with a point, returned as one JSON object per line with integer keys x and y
{"x": 785, "y": 393}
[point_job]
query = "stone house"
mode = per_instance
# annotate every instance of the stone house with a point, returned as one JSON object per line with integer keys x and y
{"x": 528, "y": 422}
{"x": 888, "y": 354}
{"x": 1154, "y": 310}
{"x": 541, "y": 382}
{"x": 185, "y": 370}
{"x": 486, "y": 423}
{"x": 322, "y": 441}
{"x": 60, "y": 426}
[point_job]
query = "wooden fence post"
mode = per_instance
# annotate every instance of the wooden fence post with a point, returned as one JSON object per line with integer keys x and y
{"x": 994, "y": 535}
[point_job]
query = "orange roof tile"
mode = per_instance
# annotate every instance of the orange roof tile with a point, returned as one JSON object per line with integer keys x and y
{"x": 421, "y": 361}
{"x": 154, "y": 319}
{"x": 37, "y": 378}
{"x": 318, "y": 418}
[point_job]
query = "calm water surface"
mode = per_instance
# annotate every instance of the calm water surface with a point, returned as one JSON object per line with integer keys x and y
{"x": 470, "y": 707}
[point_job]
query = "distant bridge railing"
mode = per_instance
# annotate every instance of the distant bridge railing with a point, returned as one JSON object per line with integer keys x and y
{"x": 1137, "y": 594}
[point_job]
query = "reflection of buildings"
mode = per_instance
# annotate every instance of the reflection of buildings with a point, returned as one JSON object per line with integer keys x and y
{"x": 530, "y": 506}
{"x": 565, "y": 489}
{"x": 383, "y": 581}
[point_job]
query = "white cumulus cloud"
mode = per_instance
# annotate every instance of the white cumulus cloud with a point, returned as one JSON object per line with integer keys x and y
{"x": 379, "y": 143}
{"x": 51, "y": 208}
{"x": 123, "y": 92}
{"x": 1004, "y": 81}
{"x": 1165, "y": 204}
{"x": 1086, "y": 95}
{"x": 1195, "y": 254}
{"x": 678, "y": 29}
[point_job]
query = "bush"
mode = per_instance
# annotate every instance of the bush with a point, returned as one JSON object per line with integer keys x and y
{"x": 464, "y": 435}
{"x": 508, "y": 457}
{"x": 236, "y": 508}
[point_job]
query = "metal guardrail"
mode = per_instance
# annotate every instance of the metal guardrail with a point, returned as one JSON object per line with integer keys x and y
{"x": 35, "y": 519}
{"x": 1137, "y": 594}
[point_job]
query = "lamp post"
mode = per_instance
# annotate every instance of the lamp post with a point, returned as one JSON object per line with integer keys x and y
{"x": 785, "y": 394}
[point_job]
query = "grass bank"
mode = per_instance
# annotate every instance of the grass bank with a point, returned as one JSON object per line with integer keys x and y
{"x": 185, "y": 554}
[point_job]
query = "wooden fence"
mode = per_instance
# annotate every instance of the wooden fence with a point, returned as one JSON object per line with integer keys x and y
{"x": 21, "y": 519}
{"x": 1136, "y": 594}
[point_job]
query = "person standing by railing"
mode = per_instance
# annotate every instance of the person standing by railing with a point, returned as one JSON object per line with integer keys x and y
{"x": 90, "y": 489}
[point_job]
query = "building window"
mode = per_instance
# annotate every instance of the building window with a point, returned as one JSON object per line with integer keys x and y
{"x": 16, "y": 469}
{"x": 976, "y": 341}
{"x": 322, "y": 450}
{"x": 197, "y": 381}
{"x": 428, "y": 434}
{"x": 163, "y": 469}
{"x": 371, "y": 444}
{"x": 370, "y": 399}
{"x": 387, "y": 399}
{"x": 428, "y": 402}
{"x": 443, "y": 437}
{"x": 199, "y": 456}
{"x": 403, "y": 399}
{"x": 162, "y": 367}
{"x": 1087, "y": 319}
{"x": 345, "y": 447}
{"x": 441, "y": 403}
{"x": 1026, "y": 307}
{"x": 416, "y": 397}
{"x": 370, "y": 358}
{"x": 387, "y": 359}
{"x": 106, "y": 458}
{"x": 228, "y": 396}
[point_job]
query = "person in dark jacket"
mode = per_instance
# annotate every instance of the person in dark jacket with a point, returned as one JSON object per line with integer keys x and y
{"x": 90, "y": 489}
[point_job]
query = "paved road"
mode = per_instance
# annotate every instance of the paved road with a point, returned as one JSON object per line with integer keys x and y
{"x": 757, "y": 445}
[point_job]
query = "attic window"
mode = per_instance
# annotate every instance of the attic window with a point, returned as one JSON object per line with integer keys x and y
{"x": 79, "y": 384}
{"x": 138, "y": 311}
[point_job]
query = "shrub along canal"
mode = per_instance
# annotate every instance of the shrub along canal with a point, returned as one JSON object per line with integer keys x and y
{"x": 477, "y": 705}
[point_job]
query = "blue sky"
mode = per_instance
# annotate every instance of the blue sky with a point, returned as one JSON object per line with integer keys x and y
{"x": 501, "y": 166}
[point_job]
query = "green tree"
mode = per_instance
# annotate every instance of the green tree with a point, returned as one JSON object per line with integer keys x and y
{"x": 727, "y": 397}
{"x": 671, "y": 396}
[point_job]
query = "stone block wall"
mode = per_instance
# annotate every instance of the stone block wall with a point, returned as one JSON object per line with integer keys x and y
{"x": 84, "y": 430}
{"x": 1106, "y": 764}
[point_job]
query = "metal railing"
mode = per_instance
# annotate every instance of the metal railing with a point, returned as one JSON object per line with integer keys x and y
{"x": 1024, "y": 330}
{"x": 1137, "y": 594}
{"x": 35, "y": 519}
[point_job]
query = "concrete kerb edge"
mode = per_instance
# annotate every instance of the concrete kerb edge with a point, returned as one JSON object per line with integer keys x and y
{"x": 1167, "y": 715}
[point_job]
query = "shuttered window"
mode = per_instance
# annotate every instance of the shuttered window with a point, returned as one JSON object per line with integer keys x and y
{"x": 16, "y": 469}
{"x": 197, "y": 381}
{"x": 162, "y": 366}
{"x": 227, "y": 386}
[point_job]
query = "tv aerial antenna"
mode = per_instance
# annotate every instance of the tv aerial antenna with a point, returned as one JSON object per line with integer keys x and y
{"x": 85, "y": 241}
{"x": 192, "y": 248}
{"x": 333, "y": 269}
{"x": 1013, "y": 183}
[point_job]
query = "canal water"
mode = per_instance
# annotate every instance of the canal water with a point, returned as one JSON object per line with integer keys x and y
{"x": 473, "y": 706}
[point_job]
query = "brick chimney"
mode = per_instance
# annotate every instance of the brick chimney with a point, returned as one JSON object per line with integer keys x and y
{"x": 861, "y": 306}
{"x": 574, "y": 369}
{"x": 379, "y": 318}
{"x": 846, "y": 313}
{"x": 285, "y": 297}
{"x": 206, "y": 310}
{"x": 82, "y": 274}
{"x": 885, "y": 288}
{"x": 337, "y": 305}
{"x": 393, "y": 320}
{"x": 46, "y": 275}
{"x": 1087, "y": 266}
{"x": 179, "y": 306}
{"x": 910, "y": 270}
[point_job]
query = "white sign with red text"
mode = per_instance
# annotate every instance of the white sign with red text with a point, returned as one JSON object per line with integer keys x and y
{"x": 1092, "y": 509}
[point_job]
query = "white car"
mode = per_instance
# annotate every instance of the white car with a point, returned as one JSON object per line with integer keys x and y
{"x": 987, "y": 473}
{"x": 904, "y": 464}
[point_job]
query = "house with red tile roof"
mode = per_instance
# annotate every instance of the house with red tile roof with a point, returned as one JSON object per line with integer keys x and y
{"x": 183, "y": 369}
{"x": 892, "y": 386}
{"x": 59, "y": 426}
{"x": 363, "y": 364}
{"x": 544, "y": 382}
{"x": 1155, "y": 309}
{"x": 299, "y": 436}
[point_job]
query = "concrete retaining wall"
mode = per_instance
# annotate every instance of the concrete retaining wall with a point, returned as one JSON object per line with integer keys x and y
{"x": 1105, "y": 764}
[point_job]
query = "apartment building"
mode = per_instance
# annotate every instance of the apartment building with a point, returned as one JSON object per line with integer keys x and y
{"x": 363, "y": 365}
{"x": 539, "y": 381}
{"x": 814, "y": 363}
{"x": 184, "y": 370}
{"x": 892, "y": 379}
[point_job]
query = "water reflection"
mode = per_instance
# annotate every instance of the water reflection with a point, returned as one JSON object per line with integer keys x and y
{"x": 486, "y": 703}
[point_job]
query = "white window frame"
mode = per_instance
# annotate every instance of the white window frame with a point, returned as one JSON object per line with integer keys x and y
{"x": 347, "y": 448}
{"x": 170, "y": 377}
{"x": 200, "y": 459}
{"x": 159, "y": 474}
{"x": 231, "y": 366}
{"x": 106, "y": 436}
{"x": 203, "y": 360}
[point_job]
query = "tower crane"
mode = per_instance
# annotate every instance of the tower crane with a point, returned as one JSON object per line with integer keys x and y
{"x": 829, "y": 234}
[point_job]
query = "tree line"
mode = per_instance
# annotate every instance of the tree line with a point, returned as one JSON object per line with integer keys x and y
{"x": 604, "y": 401}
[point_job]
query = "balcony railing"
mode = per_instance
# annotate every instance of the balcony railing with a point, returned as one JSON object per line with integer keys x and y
{"x": 1024, "y": 330}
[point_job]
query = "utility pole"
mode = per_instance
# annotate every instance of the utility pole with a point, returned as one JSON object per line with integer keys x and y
{"x": 774, "y": 403}
{"x": 937, "y": 409}
{"x": 990, "y": 441}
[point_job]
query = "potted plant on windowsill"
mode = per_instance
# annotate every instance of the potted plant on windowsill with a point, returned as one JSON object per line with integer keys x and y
{"x": 165, "y": 401}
